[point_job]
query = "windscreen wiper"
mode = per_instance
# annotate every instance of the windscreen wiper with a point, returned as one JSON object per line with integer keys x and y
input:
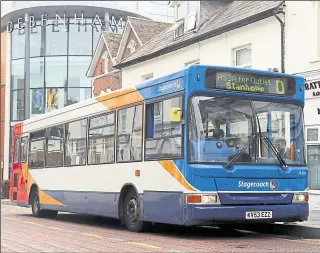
{"x": 279, "y": 157}
{"x": 233, "y": 160}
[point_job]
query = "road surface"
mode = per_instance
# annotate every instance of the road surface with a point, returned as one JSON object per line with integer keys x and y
{"x": 20, "y": 232}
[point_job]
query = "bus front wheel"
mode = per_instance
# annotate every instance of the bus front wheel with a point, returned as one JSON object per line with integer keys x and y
{"x": 35, "y": 206}
{"x": 132, "y": 212}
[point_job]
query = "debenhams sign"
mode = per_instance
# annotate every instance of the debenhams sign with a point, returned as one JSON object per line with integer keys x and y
{"x": 113, "y": 23}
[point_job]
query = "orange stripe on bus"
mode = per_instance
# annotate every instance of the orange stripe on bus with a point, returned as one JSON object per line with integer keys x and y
{"x": 173, "y": 170}
{"x": 44, "y": 197}
{"x": 120, "y": 98}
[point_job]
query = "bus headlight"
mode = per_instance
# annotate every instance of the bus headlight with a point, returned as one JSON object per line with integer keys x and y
{"x": 203, "y": 199}
{"x": 300, "y": 198}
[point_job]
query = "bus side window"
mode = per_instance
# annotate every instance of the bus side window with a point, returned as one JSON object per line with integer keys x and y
{"x": 101, "y": 139}
{"x": 75, "y": 143}
{"x": 54, "y": 150}
{"x": 24, "y": 149}
{"x": 163, "y": 136}
{"x": 36, "y": 149}
{"x": 129, "y": 135}
{"x": 16, "y": 149}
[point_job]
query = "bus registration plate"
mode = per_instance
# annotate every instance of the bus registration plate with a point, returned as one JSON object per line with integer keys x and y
{"x": 259, "y": 215}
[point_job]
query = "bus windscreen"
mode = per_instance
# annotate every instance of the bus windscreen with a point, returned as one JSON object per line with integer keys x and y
{"x": 249, "y": 82}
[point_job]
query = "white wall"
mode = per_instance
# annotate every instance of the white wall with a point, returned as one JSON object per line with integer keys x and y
{"x": 264, "y": 37}
{"x": 301, "y": 36}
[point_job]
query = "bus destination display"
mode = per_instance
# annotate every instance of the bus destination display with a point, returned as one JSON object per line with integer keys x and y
{"x": 247, "y": 82}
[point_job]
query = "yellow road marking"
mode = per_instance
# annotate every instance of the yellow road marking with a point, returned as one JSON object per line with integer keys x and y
{"x": 33, "y": 223}
{"x": 145, "y": 245}
{"x": 93, "y": 235}
{"x": 311, "y": 240}
{"x": 56, "y": 228}
{"x": 8, "y": 218}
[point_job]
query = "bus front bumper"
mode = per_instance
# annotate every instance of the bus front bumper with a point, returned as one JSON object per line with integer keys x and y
{"x": 217, "y": 214}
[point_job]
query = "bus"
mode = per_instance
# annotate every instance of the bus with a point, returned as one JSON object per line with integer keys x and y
{"x": 208, "y": 145}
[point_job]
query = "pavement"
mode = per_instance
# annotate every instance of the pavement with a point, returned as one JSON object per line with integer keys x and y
{"x": 21, "y": 232}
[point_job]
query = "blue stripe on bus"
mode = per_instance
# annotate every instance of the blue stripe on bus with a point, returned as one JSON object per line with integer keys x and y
{"x": 170, "y": 207}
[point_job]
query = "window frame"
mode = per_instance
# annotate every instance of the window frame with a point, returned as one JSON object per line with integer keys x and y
{"x": 27, "y": 142}
{"x": 235, "y": 50}
{"x": 46, "y": 146}
{"x": 114, "y": 112}
{"x": 161, "y": 99}
{"x": 122, "y": 134}
{"x": 64, "y": 149}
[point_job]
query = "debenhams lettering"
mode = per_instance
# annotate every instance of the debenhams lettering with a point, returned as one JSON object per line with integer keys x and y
{"x": 62, "y": 21}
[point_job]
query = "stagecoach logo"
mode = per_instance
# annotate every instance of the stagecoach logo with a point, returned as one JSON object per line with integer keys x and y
{"x": 274, "y": 185}
{"x": 169, "y": 86}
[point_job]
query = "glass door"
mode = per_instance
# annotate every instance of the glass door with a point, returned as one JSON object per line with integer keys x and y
{"x": 313, "y": 153}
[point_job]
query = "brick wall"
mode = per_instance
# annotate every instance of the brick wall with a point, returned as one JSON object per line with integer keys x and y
{"x": 106, "y": 82}
{"x": 126, "y": 52}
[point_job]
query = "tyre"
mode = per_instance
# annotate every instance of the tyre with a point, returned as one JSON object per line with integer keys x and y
{"x": 35, "y": 207}
{"x": 131, "y": 213}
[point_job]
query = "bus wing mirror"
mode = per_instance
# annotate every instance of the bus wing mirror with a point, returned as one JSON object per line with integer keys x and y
{"x": 175, "y": 114}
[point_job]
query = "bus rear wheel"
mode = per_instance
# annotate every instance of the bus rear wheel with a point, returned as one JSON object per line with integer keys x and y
{"x": 131, "y": 211}
{"x": 35, "y": 207}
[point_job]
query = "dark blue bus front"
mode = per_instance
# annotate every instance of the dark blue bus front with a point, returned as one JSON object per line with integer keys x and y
{"x": 245, "y": 146}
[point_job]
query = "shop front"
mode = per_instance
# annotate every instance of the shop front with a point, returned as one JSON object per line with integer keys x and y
{"x": 312, "y": 123}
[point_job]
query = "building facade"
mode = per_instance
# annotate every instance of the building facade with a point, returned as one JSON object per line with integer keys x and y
{"x": 222, "y": 36}
{"x": 46, "y": 48}
{"x": 303, "y": 58}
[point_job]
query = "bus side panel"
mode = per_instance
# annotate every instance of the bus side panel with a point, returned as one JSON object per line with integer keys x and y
{"x": 163, "y": 207}
{"x": 95, "y": 203}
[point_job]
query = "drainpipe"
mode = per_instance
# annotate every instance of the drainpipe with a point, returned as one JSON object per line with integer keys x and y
{"x": 282, "y": 26}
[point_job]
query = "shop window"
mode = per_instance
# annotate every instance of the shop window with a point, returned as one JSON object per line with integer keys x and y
{"x": 17, "y": 74}
{"x": 312, "y": 134}
{"x": 79, "y": 44}
{"x": 55, "y": 99}
{"x": 75, "y": 143}
{"x": 37, "y": 72}
{"x": 101, "y": 139}
{"x": 36, "y": 149}
{"x": 37, "y": 40}
{"x": 77, "y": 68}
{"x": 18, "y": 44}
{"x": 163, "y": 137}
{"x": 56, "y": 38}
{"x": 36, "y": 102}
{"x": 76, "y": 95}
{"x": 54, "y": 150}
{"x": 17, "y": 105}
{"x": 129, "y": 136}
{"x": 242, "y": 56}
{"x": 56, "y": 71}
{"x": 24, "y": 149}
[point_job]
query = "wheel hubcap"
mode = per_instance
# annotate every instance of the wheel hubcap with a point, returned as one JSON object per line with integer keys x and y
{"x": 133, "y": 211}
